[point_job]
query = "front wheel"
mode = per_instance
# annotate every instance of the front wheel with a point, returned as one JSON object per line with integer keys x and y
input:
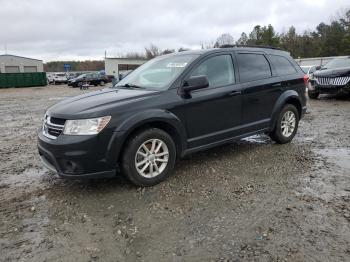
{"x": 286, "y": 125}
{"x": 149, "y": 157}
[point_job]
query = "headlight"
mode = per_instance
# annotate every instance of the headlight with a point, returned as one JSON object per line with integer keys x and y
{"x": 86, "y": 126}
{"x": 311, "y": 76}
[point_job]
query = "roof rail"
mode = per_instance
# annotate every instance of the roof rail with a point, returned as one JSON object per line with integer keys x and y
{"x": 255, "y": 46}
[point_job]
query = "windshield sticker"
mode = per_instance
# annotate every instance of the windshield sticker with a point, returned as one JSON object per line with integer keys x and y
{"x": 176, "y": 65}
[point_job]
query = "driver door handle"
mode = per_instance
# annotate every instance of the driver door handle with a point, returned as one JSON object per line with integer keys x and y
{"x": 235, "y": 93}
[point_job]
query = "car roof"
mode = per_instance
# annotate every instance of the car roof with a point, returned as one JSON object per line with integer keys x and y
{"x": 268, "y": 50}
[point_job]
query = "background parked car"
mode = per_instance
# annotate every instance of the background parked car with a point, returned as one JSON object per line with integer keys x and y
{"x": 90, "y": 78}
{"x": 49, "y": 77}
{"x": 72, "y": 75}
{"x": 332, "y": 78}
{"x": 59, "y": 78}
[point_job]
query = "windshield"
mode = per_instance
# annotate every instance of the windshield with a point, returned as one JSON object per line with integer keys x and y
{"x": 338, "y": 63}
{"x": 82, "y": 76}
{"x": 158, "y": 73}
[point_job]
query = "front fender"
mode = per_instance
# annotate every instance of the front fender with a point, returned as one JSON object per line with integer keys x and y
{"x": 130, "y": 124}
{"x": 281, "y": 101}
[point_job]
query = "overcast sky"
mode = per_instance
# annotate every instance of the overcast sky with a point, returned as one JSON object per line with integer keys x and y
{"x": 82, "y": 29}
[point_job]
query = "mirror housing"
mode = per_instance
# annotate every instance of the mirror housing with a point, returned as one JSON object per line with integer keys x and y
{"x": 195, "y": 82}
{"x": 318, "y": 67}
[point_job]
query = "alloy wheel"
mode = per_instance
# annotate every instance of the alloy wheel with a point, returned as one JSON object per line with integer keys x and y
{"x": 288, "y": 123}
{"x": 151, "y": 158}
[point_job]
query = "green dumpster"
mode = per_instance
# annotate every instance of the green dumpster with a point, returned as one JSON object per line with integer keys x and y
{"x": 22, "y": 79}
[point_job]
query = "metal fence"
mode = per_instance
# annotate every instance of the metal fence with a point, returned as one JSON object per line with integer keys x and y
{"x": 315, "y": 61}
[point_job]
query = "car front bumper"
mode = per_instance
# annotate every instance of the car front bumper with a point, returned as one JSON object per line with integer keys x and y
{"x": 80, "y": 157}
{"x": 328, "y": 89}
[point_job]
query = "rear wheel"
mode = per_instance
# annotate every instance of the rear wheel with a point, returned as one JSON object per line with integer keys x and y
{"x": 286, "y": 125}
{"x": 149, "y": 157}
{"x": 313, "y": 95}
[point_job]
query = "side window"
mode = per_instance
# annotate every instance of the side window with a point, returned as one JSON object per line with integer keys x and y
{"x": 218, "y": 69}
{"x": 253, "y": 67}
{"x": 282, "y": 65}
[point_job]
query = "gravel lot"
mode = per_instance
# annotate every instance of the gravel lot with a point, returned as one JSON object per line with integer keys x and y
{"x": 248, "y": 201}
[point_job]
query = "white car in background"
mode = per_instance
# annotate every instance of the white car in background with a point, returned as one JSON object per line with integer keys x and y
{"x": 59, "y": 78}
{"x": 49, "y": 77}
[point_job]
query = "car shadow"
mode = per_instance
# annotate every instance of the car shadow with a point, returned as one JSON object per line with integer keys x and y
{"x": 226, "y": 152}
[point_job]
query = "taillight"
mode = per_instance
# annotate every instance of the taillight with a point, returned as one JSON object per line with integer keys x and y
{"x": 306, "y": 79}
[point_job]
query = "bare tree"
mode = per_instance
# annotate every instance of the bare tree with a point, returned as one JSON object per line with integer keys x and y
{"x": 167, "y": 51}
{"x": 181, "y": 49}
{"x": 135, "y": 55}
{"x": 224, "y": 39}
{"x": 152, "y": 51}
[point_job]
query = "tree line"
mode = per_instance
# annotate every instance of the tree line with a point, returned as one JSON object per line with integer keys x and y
{"x": 89, "y": 65}
{"x": 327, "y": 39}
{"x": 331, "y": 39}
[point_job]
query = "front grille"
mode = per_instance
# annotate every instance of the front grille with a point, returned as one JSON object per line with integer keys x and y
{"x": 332, "y": 81}
{"x": 53, "y": 127}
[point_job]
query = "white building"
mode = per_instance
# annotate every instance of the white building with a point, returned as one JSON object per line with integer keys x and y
{"x": 19, "y": 64}
{"x": 115, "y": 66}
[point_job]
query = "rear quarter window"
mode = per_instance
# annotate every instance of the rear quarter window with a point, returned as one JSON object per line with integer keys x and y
{"x": 253, "y": 67}
{"x": 282, "y": 65}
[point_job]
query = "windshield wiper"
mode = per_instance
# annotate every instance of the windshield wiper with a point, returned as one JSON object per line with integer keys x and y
{"x": 129, "y": 86}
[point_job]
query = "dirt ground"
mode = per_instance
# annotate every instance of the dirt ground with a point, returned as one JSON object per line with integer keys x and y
{"x": 248, "y": 201}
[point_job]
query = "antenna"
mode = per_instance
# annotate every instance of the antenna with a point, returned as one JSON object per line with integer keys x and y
{"x": 5, "y": 48}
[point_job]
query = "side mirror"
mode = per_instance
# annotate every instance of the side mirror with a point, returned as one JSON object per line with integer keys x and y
{"x": 195, "y": 82}
{"x": 318, "y": 67}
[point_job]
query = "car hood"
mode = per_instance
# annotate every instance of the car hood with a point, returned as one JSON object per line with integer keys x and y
{"x": 96, "y": 103}
{"x": 333, "y": 72}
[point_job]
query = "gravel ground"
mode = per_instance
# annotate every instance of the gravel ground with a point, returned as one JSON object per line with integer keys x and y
{"x": 248, "y": 201}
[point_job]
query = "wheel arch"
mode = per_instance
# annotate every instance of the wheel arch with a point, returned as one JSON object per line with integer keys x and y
{"x": 288, "y": 97}
{"x": 161, "y": 119}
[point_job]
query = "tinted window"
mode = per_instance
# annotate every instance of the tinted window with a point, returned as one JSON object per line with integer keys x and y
{"x": 218, "y": 69}
{"x": 253, "y": 67}
{"x": 282, "y": 65}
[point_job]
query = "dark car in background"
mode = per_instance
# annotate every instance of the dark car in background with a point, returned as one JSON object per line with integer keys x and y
{"x": 90, "y": 79}
{"x": 172, "y": 106}
{"x": 332, "y": 78}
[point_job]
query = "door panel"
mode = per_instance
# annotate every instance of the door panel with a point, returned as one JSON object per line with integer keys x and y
{"x": 259, "y": 98}
{"x": 260, "y": 89}
{"x": 213, "y": 113}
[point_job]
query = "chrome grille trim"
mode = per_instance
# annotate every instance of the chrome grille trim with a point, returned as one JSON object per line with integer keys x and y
{"x": 48, "y": 125}
{"x": 336, "y": 81}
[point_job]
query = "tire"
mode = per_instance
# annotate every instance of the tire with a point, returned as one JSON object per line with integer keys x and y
{"x": 313, "y": 95}
{"x": 135, "y": 153}
{"x": 284, "y": 135}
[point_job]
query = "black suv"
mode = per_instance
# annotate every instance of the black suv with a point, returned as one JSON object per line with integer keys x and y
{"x": 332, "y": 78}
{"x": 172, "y": 106}
{"x": 89, "y": 78}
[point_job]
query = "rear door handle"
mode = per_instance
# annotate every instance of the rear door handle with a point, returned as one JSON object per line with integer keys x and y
{"x": 235, "y": 93}
{"x": 277, "y": 85}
